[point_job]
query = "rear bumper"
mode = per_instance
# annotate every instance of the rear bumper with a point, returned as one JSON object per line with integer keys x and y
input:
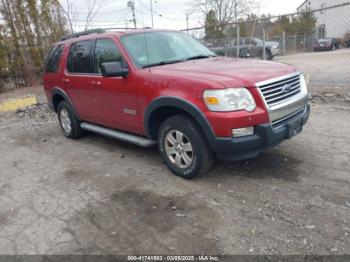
{"x": 236, "y": 149}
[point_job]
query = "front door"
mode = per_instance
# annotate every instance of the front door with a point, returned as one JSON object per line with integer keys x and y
{"x": 116, "y": 97}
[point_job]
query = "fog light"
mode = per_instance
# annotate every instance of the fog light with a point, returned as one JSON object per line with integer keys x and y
{"x": 247, "y": 131}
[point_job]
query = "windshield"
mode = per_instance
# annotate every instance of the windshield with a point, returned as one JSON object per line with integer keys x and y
{"x": 159, "y": 48}
{"x": 257, "y": 41}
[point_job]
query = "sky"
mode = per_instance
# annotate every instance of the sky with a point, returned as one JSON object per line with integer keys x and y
{"x": 168, "y": 14}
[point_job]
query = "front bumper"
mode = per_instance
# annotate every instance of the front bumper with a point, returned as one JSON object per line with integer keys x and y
{"x": 275, "y": 52}
{"x": 236, "y": 149}
{"x": 322, "y": 48}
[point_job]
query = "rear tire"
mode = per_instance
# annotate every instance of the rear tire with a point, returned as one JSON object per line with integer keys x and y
{"x": 184, "y": 147}
{"x": 68, "y": 121}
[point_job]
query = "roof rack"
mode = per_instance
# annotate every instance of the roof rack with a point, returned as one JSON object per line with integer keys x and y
{"x": 97, "y": 31}
{"x": 87, "y": 32}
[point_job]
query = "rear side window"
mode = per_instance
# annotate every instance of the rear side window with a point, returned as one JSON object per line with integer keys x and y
{"x": 106, "y": 51}
{"x": 53, "y": 59}
{"x": 79, "y": 59}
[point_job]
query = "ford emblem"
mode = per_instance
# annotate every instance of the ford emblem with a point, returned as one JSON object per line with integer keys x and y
{"x": 286, "y": 88}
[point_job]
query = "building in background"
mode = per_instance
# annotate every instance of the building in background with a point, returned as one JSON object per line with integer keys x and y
{"x": 332, "y": 22}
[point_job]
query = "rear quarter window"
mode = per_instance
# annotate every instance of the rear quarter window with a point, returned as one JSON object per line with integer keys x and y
{"x": 53, "y": 59}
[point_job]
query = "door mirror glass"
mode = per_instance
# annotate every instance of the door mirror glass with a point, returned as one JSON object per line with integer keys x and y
{"x": 113, "y": 69}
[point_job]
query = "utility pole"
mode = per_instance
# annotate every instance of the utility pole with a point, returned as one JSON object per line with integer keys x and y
{"x": 187, "y": 21}
{"x": 151, "y": 3}
{"x": 236, "y": 11}
{"x": 131, "y": 5}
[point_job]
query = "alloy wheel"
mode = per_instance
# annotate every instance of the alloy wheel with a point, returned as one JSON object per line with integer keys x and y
{"x": 65, "y": 121}
{"x": 179, "y": 149}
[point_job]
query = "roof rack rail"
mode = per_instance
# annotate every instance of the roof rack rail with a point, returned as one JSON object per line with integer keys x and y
{"x": 87, "y": 32}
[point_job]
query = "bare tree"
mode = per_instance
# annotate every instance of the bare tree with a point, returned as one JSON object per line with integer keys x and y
{"x": 92, "y": 8}
{"x": 226, "y": 11}
{"x": 73, "y": 15}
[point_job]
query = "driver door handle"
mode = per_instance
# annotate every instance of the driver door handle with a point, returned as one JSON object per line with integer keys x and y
{"x": 96, "y": 83}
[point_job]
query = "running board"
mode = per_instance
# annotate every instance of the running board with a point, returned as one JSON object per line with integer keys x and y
{"x": 133, "y": 139}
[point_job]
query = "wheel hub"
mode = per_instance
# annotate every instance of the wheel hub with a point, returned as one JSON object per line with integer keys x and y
{"x": 65, "y": 121}
{"x": 178, "y": 149}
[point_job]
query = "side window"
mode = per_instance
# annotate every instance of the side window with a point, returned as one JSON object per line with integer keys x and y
{"x": 53, "y": 59}
{"x": 106, "y": 51}
{"x": 79, "y": 59}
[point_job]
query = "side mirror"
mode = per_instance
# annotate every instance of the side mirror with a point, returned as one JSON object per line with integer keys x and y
{"x": 113, "y": 69}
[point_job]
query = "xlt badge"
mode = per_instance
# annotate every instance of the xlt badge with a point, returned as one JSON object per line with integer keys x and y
{"x": 129, "y": 111}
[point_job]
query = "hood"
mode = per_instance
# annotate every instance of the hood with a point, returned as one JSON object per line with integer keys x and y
{"x": 271, "y": 43}
{"x": 229, "y": 72}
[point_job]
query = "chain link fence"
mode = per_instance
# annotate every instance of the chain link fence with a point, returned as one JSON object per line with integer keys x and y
{"x": 315, "y": 41}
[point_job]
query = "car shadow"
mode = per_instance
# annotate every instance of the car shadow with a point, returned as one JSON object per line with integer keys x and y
{"x": 270, "y": 164}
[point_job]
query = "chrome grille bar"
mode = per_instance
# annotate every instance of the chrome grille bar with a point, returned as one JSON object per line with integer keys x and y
{"x": 278, "y": 83}
{"x": 281, "y": 90}
{"x": 272, "y": 93}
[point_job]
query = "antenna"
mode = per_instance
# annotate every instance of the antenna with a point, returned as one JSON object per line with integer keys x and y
{"x": 151, "y": 3}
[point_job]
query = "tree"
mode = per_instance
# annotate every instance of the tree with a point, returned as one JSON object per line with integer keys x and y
{"x": 72, "y": 14}
{"x": 226, "y": 11}
{"x": 304, "y": 23}
{"x": 29, "y": 29}
{"x": 213, "y": 30}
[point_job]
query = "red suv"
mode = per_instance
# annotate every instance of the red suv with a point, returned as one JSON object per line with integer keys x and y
{"x": 151, "y": 87}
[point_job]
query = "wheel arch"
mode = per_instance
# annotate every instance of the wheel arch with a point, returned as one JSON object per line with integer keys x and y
{"x": 59, "y": 95}
{"x": 165, "y": 107}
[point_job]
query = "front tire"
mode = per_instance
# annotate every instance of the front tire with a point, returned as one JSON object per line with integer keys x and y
{"x": 269, "y": 55}
{"x": 184, "y": 147}
{"x": 70, "y": 125}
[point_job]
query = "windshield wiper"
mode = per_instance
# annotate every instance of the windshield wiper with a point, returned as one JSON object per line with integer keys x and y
{"x": 167, "y": 62}
{"x": 199, "y": 57}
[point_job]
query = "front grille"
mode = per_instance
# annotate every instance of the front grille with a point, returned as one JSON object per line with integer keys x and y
{"x": 280, "y": 91}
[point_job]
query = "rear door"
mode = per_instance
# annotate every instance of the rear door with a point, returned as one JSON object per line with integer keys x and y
{"x": 78, "y": 76}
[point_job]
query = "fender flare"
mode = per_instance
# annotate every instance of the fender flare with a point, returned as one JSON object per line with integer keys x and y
{"x": 62, "y": 93}
{"x": 180, "y": 104}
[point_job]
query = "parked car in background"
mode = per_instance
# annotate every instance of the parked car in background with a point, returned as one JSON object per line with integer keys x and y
{"x": 152, "y": 87}
{"x": 326, "y": 44}
{"x": 347, "y": 43}
{"x": 248, "y": 47}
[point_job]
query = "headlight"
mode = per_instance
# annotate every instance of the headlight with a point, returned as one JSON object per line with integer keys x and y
{"x": 231, "y": 99}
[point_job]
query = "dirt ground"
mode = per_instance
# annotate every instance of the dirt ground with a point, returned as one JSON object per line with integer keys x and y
{"x": 322, "y": 68}
{"x": 96, "y": 195}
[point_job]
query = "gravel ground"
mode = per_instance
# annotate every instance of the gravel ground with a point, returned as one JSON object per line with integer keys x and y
{"x": 100, "y": 196}
{"x": 322, "y": 68}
